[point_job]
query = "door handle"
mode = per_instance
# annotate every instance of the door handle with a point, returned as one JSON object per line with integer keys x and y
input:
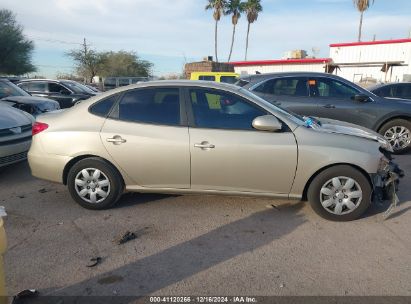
{"x": 205, "y": 145}
{"x": 329, "y": 106}
{"x": 277, "y": 103}
{"x": 116, "y": 140}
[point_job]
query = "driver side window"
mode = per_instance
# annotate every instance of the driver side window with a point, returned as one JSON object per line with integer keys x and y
{"x": 222, "y": 110}
{"x": 56, "y": 88}
{"x": 324, "y": 87}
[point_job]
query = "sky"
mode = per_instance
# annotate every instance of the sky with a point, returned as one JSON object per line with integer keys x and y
{"x": 170, "y": 33}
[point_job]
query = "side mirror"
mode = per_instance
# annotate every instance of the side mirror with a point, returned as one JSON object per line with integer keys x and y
{"x": 267, "y": 123}
{"x": 361, "y": 98}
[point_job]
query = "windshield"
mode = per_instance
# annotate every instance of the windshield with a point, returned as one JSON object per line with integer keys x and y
{"x": 10, "y": 89}
{"x": 77, "y": 87}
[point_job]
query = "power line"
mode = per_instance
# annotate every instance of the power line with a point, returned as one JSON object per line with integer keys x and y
{"x": 55, "y": 41}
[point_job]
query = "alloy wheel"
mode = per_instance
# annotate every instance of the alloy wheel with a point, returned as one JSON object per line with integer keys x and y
{"x": 399, "y": 137}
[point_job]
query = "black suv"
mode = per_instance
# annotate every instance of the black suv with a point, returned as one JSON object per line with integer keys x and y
{"x": 65, "y": 92}
{"x": 330, "y": 96}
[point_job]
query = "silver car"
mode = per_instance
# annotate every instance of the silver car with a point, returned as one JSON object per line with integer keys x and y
{"x": 15, "y": 134}
{"x": 194, "y": 137}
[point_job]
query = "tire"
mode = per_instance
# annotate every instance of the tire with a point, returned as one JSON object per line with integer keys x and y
{"x": 392, "y": 130}
{"x": 108, "y": 186}
{"x": 347, "y": 197}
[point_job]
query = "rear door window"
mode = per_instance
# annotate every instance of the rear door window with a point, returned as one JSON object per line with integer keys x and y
{"x": 37, "y": 86}
{"x": 404, "y": 91}
{"x": 103, "y": 107}
{"x": 288, "y": 86}
{"x": 151, "y": 105}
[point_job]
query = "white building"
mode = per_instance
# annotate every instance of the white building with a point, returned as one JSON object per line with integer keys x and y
{"x": 373, "y": 61}
{"x": 283, "y": 65}
{"x": 384, "y": 61}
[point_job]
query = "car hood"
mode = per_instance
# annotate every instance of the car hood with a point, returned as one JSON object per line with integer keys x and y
{"x": 11, "y": 117}
{"x": 391, "y": 99}
{"x": 339, "y": 127}
{"x": 30, "y": 100}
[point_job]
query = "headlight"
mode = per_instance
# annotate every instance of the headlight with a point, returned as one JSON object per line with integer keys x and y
{"x": 385, "y": 144}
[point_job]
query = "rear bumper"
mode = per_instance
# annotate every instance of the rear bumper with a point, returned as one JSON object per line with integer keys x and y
{"x": 47, "y": 166}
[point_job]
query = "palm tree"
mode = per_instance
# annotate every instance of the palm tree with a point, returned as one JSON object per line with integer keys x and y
{"x": 234, "y": 8}
{"x": 362, "y": 6}
{"x": 218, "y": 7}
{"x": 252, "y": 8}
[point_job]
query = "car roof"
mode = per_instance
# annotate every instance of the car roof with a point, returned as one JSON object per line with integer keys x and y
{"x": 38, "y": 79}
{"x": 283, "y": 74}
{"x": 184, "y": 83}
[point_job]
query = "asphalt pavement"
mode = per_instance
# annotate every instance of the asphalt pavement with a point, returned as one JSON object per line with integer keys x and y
{"x": 199, "y": 245}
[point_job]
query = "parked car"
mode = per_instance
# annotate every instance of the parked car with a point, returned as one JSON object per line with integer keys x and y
{"x": 393, "y": 90}
{"x": 333, "y": 97}
{"x": 93, "y": 88}
{"x": 170, "y": 137}
{"x": 65, "y": 92}
{"x": 15, "y": 134}
{"x": 20, "y": 99}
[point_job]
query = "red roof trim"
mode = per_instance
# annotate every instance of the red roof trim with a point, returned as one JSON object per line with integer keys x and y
{"x": 281, "y": 61}
{"x": 371, "y": 42}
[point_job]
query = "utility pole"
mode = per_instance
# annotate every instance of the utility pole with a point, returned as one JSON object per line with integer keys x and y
{"x": 86, "y": 58}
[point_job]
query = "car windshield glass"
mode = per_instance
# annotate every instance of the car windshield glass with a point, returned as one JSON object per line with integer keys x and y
{"x": 294, "y": 117}
{"x": 9, "y": 89}
{"x": 77, "y": 87}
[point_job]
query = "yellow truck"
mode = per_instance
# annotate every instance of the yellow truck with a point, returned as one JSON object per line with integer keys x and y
{"x": 226, "y": 77}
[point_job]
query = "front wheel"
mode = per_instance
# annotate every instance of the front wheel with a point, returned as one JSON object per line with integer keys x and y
{"x": 340, "y": 193}
{"x": 398, "y": 133}
{"x": 94, "y": 184}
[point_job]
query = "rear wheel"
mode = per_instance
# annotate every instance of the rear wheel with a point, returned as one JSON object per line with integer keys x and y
{"x": 398, "y": 133}
{"x": 94, "y": 184}
{"x": 340, "y": 193}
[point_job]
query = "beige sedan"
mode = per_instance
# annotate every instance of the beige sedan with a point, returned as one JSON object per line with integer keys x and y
{"x": 194, "y": 137}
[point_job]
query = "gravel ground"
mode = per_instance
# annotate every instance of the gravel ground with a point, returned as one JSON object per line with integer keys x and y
{"x": 199, "y": 245}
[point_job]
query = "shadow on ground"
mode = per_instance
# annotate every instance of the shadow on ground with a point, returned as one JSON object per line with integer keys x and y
{"x": 179, "y": 262}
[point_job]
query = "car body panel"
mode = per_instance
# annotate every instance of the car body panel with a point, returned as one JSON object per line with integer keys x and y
{"x": 235, "y": 162}
{"x": 165, "y": 147}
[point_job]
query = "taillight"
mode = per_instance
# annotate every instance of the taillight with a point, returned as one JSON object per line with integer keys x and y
{"x": 39, "y": 127}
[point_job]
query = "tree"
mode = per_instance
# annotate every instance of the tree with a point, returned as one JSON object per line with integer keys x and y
{"x": 234, "y": 8}
{"x": 15, "y": 49}
{"x": 87, "y": 61}
{"x": 122, "y": 63}
{"x": 362, "y": 6}
{"x": 251, "y": 8}
{"x": 218, "y": 7}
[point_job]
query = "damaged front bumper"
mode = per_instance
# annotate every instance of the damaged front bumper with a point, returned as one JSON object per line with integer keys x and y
{"x": 385, "y": 183}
